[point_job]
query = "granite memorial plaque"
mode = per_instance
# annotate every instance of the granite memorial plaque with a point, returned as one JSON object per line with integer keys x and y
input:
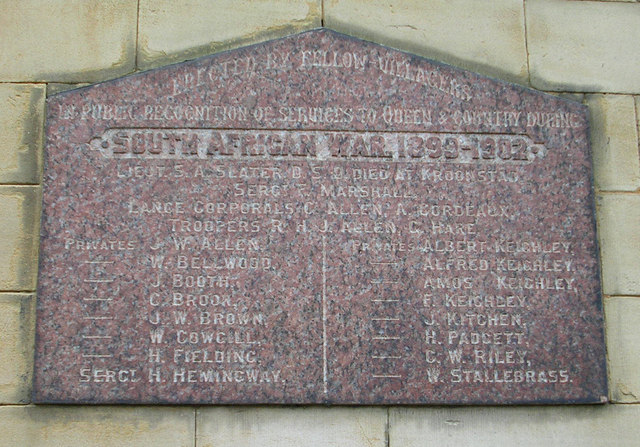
{"x": 317, "y": 219}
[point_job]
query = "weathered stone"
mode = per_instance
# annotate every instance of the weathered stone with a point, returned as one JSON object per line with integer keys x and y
{"x": 487, "y": 37}
{"x": 614, "y": 141}
{"x": 17, "y": 319}
{"x": 172, "y": 31}
{"x": 291, "y": 427}
{"x": 522, "y": 426}
{"x": 573, "y": 96}
{"x": 637, "y": 98}
{"x": 53, "y": 426}
{"x": 70, "y": 41}
{"x": 19, "y": 223}
{"x": 619, "y": 234}
{"x": 21, "y": 124}
{"x": 58, "y": 87}
{"x": 623, "y": 349}
{"x": 583, "y": 46}
{"x": 371, "y": 226}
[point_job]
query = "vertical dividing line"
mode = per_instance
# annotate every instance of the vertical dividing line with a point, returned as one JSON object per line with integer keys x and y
{"x": 324, "y": 313}
{"x": 195, "y": 427}
{"x": 135, "y": 56}
{"x": 387, "y": 441}
{"x": 526, "y": 39}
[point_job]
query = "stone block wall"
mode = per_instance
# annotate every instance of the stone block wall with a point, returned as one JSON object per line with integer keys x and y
{"x": 587, "y": 50}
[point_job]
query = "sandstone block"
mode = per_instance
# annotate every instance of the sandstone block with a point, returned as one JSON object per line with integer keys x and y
{"x": 17, "y": 317}
{"x": 487, "y": 37}
{"x": 623, "y": 333}
{"x": 583, "y": 46}
{"x": 574, "y": 426}
{"x": 19, "y": 227}
{"x": 54, "y": 426}
{"x": 619, "y": 233}
{"x": 21, "y": 123}
{"x": 172, "y": 31}
{"x": 614, "y": 141}
{"x": 283, "y": 427}
{"x": 70, "y": 41}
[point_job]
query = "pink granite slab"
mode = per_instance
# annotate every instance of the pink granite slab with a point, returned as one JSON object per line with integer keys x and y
{"x": 317, "y": 219}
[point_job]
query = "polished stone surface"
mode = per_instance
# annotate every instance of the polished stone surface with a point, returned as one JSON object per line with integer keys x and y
{"x": 317, "y": 219}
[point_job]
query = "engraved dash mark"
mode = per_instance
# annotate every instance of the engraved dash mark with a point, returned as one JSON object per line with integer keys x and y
{"x": 324, "y": 313}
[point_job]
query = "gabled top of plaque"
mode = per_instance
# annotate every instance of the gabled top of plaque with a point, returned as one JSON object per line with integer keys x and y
{"x": 318, "y": 79}
{"x": 317, "y": 219}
